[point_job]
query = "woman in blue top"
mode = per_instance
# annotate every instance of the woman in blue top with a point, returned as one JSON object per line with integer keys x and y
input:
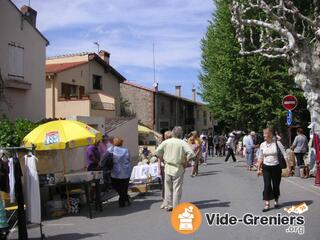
{"x": 121, "y": 171}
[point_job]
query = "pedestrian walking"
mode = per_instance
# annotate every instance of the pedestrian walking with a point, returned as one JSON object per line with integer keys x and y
{"x": 248, "y": 149}
{"x": 121, "y": 170}
{"x": 195, "y": 145}
{"x": 231, "y": 147}
{"x": 161, "y": 164}
{"x": 204, "y": 150}
{"x": 210, "y": 145}
{"x": 222, "y": 145}
{"x": 269, "y": 167}
{"x": 300, "y": 147}
{"x": 176, "y": 153}
{"x": 216, "y": 145}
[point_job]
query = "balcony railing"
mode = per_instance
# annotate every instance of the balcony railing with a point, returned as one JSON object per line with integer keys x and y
{"x": 102, "y": 106}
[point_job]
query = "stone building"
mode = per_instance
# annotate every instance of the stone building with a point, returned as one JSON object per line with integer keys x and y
{"x": 161, "y": 111}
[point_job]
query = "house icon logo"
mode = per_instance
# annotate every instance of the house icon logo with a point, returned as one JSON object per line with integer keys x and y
{"x": 186, "y": 218}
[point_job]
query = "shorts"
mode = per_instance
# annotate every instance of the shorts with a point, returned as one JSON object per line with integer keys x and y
{"x": 300, "y": 159}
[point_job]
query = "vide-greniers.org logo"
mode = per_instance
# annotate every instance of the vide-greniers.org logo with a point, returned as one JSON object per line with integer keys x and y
{"x": 186, "y": 218}
{"x": 295, "y": 223}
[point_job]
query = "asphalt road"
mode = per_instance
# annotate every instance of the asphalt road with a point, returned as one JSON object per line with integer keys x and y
{"x": 219, "y": 188}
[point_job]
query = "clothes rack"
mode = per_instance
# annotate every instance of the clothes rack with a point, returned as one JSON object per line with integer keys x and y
{"x": 13, "y": 151}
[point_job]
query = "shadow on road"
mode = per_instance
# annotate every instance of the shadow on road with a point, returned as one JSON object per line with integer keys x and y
{"x": 289, "y": 204}
{"x": 211, "y": 204}
{"x": 213, "y": 164}
{"x": 201, "y": 174}
{"x": 71, "y": 236}
{"x": 138, "y": 203}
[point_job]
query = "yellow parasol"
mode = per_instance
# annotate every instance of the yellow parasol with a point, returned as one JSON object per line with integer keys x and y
{"x": 61, "y": 134}
{"x": 145, "y": 131}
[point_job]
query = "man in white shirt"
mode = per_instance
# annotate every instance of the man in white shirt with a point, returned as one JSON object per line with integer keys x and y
{"x": 231, "y": 147}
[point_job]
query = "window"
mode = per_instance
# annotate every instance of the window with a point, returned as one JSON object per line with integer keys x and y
{"x": 15, "y": 60}
{"x": 97, "y": 82}
{"x": 198, "y": 114}
{"x": 68, "y": 90}
{"x": 204, "y": 118}
{"x": 81, "y": 91}
{"x": 163, "y": 109}
{"x": 171, "y": 107}
{"x": 164, "y": 124}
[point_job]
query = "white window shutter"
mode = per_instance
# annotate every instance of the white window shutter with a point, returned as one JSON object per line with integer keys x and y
{"x": 16, "y": 61}
{"x": 11, "y": 59}
{"x": 19, "y": 61}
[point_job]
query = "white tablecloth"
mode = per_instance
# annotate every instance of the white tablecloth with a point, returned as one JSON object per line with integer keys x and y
{"x": 141, "y": 173}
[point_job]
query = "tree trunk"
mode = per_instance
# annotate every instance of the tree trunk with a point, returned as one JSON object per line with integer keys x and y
{"x": 306, "y": 69}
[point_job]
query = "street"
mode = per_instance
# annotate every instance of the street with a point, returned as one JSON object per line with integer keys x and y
{"x": 219, "y": 188}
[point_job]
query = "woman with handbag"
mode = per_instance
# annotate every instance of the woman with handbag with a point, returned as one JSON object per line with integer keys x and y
{"x": 118, "y": 161}
{"x": 272, "y": 159}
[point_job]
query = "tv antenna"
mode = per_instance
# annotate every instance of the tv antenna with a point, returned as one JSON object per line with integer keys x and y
{"x": 98, "y": 46}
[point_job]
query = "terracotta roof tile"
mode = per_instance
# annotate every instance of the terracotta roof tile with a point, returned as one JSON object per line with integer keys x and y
{"x": 59, "y": 67}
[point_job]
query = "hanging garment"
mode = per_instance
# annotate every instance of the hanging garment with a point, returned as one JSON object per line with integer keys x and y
{"x": 4, "y": 176}
{"x": 12, "y": 180}
{"x": 32, "y": 189}
{"x": 22, "y": 222}
{"x": 317, "y": 146}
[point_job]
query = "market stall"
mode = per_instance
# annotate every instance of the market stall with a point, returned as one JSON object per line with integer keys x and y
{"x": 148, "y": 139}
{"x": 65, "y": 135}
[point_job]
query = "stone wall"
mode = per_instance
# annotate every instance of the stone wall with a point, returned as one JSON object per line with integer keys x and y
{"x": 141, "y": 103}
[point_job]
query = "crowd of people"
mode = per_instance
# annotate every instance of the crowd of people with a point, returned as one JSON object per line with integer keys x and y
{"x": 264, "y": 154}
{"x": 177, "y": 152}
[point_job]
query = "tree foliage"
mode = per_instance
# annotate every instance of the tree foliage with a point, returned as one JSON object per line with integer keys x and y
{"x": 244, "y": 92}
{"x": 125, "y": 110}
{"x": 12, "y": 133}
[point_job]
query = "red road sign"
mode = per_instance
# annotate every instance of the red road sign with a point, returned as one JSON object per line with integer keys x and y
{"x": 289, "y": 102}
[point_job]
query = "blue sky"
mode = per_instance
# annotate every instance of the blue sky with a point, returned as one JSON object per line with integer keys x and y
{"x": 127, "y": 29}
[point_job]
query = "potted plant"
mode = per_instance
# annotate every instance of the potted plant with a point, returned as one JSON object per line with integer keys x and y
{"x": 85, "y": 97}
{"x": 73, "y": 97}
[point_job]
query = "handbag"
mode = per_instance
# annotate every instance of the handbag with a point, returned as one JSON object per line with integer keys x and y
{"x": 282, "y": 161}
{"x": 107, "y": 161}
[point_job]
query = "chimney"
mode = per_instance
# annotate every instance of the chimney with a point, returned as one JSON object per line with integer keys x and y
{"x": 178, "y": 91}
{"x": 29, "y": 14}
{"x": 105, "y": 56}
{"x": 194, "y": 95}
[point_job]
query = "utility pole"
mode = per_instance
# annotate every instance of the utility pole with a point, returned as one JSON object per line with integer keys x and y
{"x": 154, "y": 65}
{"x": 155, "y": 85}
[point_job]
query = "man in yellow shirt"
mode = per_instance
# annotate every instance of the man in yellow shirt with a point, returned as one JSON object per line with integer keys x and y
{"x": 176, "y": 153}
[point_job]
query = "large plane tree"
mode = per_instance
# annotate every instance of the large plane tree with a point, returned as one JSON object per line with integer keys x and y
{"x": 284, "y": 29}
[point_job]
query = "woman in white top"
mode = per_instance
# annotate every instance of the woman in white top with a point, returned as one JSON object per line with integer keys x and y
{"x": 268, "y": 164}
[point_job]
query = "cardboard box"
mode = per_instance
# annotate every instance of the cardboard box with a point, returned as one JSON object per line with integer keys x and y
{"x": 141, "y": 188}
